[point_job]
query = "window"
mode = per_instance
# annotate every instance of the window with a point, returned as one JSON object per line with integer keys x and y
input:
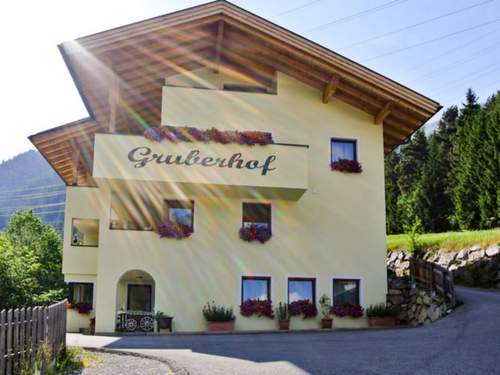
{"x": 81, "y": 293}
{"x": 257, "y": 214}
{"x": 255, "y": 288}
{"x": 343, "y": 149}
{"x": 135, "y": 211}
{"x": 180, "y": 212}
{"x": 139, "y": 297}
{"x": 301, "y": 288}
{"x": 346, "y": 291}
{"x": 85, "y": 232}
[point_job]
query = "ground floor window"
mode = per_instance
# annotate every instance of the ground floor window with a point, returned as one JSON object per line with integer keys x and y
{"x": 81, "y": 293}
{"x": 346, "y": 291}
{"x": 255, "y": 288}
{"x": 139, "y": 297}
{"x": 300, "y": 288}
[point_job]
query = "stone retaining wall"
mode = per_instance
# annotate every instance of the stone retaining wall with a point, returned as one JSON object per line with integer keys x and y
{"x": 474, "y": 266}
{"x": 417, "y": 306}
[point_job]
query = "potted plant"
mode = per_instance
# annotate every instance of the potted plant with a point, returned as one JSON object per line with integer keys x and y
{"x": 382, "y": 315}
{"x": 219, "y": 318}
{"x": 163, "y": 321}
{"x": 283, "y": 316}
{"x": 325, "y": 305}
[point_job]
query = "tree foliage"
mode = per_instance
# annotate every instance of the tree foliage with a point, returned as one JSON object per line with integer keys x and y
{"x": 30, "y": 262}
{"x": 450, "y": 179}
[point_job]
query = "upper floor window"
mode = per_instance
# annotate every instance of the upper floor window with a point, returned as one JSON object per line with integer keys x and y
{"x": 346, "y": 291}
{"x": 300, "y": 288}
{"x": 180, "y": 212}
{"x": 81, "y": 293}
{"x": 135, "y": 211}
{"x": 255, "y": 288}
{"x": 85, "y": 232}
{"x": 258, "y": 214}
{"x": 345, "y": 149}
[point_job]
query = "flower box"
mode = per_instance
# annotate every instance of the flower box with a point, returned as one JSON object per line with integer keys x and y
{"x": 346, "y": 166}
{"x": 173, "y": 230}
{"x": 257, "y": 307}
{"x": 350, "y": 310}
{"x": 255, "y": 233}
{"x": 304, "y": 307}
{"x": 189, "y": 134}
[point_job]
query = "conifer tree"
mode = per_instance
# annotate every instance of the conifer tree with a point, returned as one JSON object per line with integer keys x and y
{"x": 393, "y": 224}
{"x": 488, "y": 164}
{"x": 464, "y": 165}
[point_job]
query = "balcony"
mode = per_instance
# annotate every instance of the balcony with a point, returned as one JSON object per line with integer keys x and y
{"x": 277, "y": 171}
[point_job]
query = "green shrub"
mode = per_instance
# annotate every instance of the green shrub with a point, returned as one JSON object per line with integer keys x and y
{"x": 382, "y": 310}
{"x": 282, "y": 311}
{"x": 214, "y": 313}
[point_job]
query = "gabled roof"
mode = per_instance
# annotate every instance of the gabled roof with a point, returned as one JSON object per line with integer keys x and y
{"x": 129, "y": 63}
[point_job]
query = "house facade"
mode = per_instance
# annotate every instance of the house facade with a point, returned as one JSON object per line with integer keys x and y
{"x": 169, "y": 203}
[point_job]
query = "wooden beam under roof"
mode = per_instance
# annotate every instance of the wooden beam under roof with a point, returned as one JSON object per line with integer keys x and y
{"x": 383, "y": 113}
{"x": 218, "y": 45}
{"x": 330, "y": 88}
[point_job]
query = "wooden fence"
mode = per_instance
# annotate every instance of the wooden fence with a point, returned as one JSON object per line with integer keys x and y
{"x": 22, "y": 331}
{"x": 434, "y": 277}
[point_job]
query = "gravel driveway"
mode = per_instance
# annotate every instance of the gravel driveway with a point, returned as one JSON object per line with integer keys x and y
{"x": 465, "y": 342}
{"x": 117, "y": 364}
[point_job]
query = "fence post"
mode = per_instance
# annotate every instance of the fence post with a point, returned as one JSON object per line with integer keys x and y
{"x": 8, "y": 349}
{"x": 3, "y": 350}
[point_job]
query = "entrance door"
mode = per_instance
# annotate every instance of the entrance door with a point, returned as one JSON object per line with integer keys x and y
{"x": 139, "y": 297}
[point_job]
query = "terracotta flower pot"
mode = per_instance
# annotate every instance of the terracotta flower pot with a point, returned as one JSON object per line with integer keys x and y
{"x": 326, "y": 323}
{"x": 388, "y": 321}
{"x": 284, "y": 324}
{"x": 221, "y": 326}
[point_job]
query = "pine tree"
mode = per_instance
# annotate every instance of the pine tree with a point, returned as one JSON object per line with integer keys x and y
{"x": 464, "y": 165}
{"x": 413, "y": 156}
{"x": 412, "y": 159}
{"x": 393, "y": 224}
{"x": 488, "y": 171}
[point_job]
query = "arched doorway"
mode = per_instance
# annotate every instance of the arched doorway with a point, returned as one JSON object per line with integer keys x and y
{"x": 135, "y": 301}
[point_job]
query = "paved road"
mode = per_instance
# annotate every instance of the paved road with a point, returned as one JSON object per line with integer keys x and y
{"x": 465, "y": 342}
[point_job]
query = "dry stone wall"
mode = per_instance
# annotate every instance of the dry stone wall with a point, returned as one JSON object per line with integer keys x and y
{"x": 475, "y": 266}
{"x": 417, "y": 306}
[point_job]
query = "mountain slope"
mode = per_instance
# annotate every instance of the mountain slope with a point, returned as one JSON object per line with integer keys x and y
{"x": 27, "y": 181}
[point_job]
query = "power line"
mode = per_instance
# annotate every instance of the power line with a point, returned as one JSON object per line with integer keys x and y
{"x": 444, "y": 53}
{"x": 475, "y": 75}
{"x": 297, "y": 8}
{"x": 32, "y": 188}
{"x": 432, "y": 40}
{"x": 33, "y": 207}
{"x": 415, "y": 25}
{"x": 457, "y": 63}
{"x": 34, "y": 195}
{"x": 357, "y": 15}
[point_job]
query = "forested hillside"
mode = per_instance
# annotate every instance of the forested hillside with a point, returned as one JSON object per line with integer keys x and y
{"x": 27, "y": 181}
{"x": 449, "y": 180}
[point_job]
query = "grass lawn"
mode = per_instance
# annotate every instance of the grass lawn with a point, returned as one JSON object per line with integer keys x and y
{"x": 448, "y": 241}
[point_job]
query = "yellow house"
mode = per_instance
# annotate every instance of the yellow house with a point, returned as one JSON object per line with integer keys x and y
{"x": 168, "y": 206}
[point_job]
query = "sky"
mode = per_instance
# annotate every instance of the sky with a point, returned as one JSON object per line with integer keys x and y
{"x": 437, "y": 47}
